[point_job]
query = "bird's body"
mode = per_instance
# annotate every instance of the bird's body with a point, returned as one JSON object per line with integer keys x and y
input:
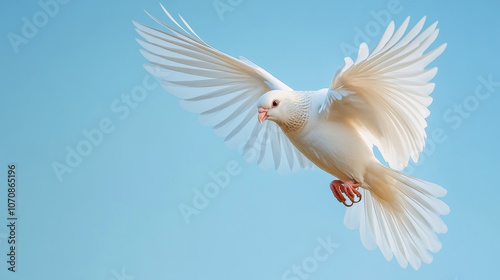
{"x": 332, "y": 145}
{"x": 380, "y": 100}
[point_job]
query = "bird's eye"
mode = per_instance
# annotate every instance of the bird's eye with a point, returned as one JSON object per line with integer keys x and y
{"x": 275, "y": 103}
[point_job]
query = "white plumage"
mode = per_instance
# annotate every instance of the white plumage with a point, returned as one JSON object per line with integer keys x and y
{"x": 380, "y": 99}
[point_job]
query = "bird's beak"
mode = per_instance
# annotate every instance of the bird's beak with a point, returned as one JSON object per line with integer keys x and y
{"x": 262, "y": 114}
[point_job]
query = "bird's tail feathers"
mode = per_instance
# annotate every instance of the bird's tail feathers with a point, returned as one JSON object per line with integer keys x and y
{"x": 399, "y": 214}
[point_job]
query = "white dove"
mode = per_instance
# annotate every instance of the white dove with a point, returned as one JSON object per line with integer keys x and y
{"x": 381, "y": 99}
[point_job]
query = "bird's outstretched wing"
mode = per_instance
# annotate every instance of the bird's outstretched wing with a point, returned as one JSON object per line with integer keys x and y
{"x": 385, "y": 93}
{"x": 223, "y": 90}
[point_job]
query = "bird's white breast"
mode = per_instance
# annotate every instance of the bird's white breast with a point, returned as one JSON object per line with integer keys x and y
{"x": 334, "y": 146}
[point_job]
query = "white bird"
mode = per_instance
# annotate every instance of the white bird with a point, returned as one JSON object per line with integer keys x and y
{"x": 381, "y": 99}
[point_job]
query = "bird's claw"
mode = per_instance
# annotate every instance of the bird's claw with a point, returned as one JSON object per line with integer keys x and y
{"x": 348, "y": 205}
{"x": 349, "y": 188}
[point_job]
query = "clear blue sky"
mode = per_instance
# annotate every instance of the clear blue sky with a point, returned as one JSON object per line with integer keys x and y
{"x": 72, "y": 71}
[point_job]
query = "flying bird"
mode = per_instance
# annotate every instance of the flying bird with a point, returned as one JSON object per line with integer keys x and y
{"x": 380, "y": 99}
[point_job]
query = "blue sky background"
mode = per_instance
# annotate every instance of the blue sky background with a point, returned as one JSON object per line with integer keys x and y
{"x": 116, "y": 214}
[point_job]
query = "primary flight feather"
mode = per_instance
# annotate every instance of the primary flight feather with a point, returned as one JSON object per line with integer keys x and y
{"x": 380, "y": 99}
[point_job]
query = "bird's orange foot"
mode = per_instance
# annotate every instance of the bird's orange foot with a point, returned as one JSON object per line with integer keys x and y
{"x": 349, "y": 188}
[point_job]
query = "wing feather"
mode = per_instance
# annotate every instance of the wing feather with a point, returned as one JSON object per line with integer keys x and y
{"x": 385, "y": 94}
{"x": 223, "y": 90}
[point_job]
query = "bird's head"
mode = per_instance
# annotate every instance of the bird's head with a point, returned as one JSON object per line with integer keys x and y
{"x": 275, "y": 105}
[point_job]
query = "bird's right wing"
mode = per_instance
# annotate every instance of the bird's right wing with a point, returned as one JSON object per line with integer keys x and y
{"x": 222, "y": 90}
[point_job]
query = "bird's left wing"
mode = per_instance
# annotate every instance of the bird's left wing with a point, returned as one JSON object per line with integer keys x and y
{"x": 223, "y": 90}
{"x": 385, "y": 93}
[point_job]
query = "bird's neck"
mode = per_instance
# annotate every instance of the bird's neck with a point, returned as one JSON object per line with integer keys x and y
{"x": 299, "y": 112}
